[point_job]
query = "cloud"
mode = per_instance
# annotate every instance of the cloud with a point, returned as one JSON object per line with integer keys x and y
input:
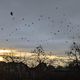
{"x": 51, "y": 23}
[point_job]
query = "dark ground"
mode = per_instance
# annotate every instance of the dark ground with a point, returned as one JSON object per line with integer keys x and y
{"x": 20, "y": 71}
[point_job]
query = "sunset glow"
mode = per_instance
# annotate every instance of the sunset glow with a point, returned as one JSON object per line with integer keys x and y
{"x": 31, "y": 56}
{"x": 1, "y": 59}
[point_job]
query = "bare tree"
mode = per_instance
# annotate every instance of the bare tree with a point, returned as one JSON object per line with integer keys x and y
{"x": 9, "y": 57}
{"x": 40, "y": 52}
{"x": 74, "y": 53}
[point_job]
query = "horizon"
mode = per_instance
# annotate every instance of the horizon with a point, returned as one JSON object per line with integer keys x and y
{"x": 32, "y": 57}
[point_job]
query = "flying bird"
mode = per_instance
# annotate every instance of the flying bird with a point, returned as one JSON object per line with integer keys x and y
{"x": 6, "y": 39}
{"x": 11, "y": 13}
{"x": 32, "y": 23}
{"x": 23, "y": 19}
{"x": 39, "y": 19}
{"x": 58, "y": 31}
{"x": 2, "y": 28}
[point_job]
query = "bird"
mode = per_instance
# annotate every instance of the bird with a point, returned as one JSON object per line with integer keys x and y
{"x": 23, "y": 19}
{"x": 2, "y": 28}
{"x": 28, "y": 25}
{"x": 49, "y": 17}
{"x": 41, "y": 15}
{"x": 54, "y": 33}
{"x": 67, "y": 25}
{"x": 39, "y": 19}
{"x": 11, "y": 13}
{"x": 32, "y": 23}
{"x": 16, "y": 29}
{"x": 6, "y": 39}
{"x": 58, "y": 31}
{"x": 56, "y": 8}
{"x": 25, "y": 24}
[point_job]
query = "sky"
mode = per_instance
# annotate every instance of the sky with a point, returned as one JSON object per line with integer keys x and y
{"x": 54, "y": 24}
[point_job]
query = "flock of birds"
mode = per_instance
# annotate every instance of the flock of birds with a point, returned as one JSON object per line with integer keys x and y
{"x": 65, "y": 28}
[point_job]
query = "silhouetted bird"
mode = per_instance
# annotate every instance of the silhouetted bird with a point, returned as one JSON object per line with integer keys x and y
{"x": 9, "y": 34}
{"x": 22, "y": 18}
{"x": 56, "y": 8}
{"x": 25, "y": 24}
{"x": 6, "y": 39}
{"x": 41, "y": 15}
{"x": 51, "y": 32}
{"x": 22, "y": 38}
{"x": 67, "y": 25}
{"x": 28, "y": 25}
{"x": 58, "y": 31}
{"x": 16, "y": 29}
{"x": 39, "y": 19}
{"x": 32, "y": 23}
{"x": 2, "y": 29}
{"x": 66, "y": 41}
{"x": 54, "y": 33}
{"x": 11, "y": 13}
{"x": 49, "y": 17}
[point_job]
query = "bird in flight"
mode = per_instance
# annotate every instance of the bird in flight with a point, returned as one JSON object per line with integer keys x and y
{"x": 11, "y": 13}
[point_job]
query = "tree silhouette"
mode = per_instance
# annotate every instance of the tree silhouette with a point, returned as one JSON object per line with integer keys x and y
{"x": 9, "y": 57}
{"x": 74, "y": 53}
{"x": 40, "y": 52}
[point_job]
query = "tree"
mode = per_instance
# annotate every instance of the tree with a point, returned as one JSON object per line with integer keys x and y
{"x": 40, "y": 52}
{"x": 9, "y": 57}
{"x": 74, "y": 53}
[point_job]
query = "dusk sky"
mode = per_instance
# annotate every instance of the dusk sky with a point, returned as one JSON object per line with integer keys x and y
{"x": 54, "y": 24}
